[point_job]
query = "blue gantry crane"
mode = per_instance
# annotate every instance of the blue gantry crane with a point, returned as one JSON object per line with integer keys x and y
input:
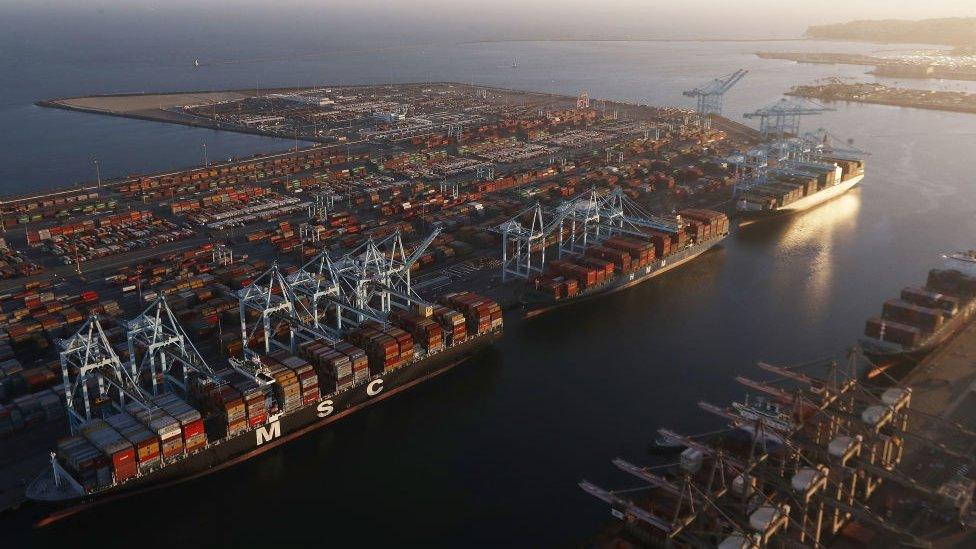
{"x": 710, "y": 95}
{"x": 782, "y": 119}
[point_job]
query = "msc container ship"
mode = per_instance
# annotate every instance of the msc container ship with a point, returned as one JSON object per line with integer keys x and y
{"x": 921, "y": 319}
{"x": 137, "y": 448}
{"x": 621, "y": 262}
{"x": 806, "y": 185}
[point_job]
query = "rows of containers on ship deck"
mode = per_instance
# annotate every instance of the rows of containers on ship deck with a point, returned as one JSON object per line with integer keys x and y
{"x": 144, "y": 436}
{"x": 620, "y": 255}
{"x": 198, "y": 291}
{"x": 804, "y": 180}
{"x": 921, "y": 312}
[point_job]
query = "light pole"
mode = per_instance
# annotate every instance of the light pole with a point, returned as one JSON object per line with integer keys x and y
{"x": 98, "y": 172}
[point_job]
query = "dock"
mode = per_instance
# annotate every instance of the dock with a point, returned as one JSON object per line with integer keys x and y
{"x": 426, "y": 173}
{"x": 827, "y": 460}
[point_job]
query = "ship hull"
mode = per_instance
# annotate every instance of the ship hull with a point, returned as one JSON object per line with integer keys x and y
{"x": 747, "y": 217}
{"x": 228, "y": 452}
{"x": 538, "y": 307}
{"x": 884, "y": 350}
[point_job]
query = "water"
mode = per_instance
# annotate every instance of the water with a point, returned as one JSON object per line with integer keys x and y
{"x": 490, "y": 453}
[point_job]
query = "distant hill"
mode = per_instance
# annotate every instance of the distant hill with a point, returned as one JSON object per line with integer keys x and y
{"x": 954, "y": 31}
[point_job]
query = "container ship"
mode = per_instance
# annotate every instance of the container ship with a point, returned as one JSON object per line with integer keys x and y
{"x": 801, "y": 187}
{"x": 136, "y": 440}
{"x": 621, "y": 262}
{"x": 923, "y": 318}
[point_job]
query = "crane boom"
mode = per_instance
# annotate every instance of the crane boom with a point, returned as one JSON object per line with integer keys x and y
{"x": 710, "y": 94}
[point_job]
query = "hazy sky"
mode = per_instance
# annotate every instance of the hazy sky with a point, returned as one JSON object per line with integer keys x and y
{"x": 314, "y": 24}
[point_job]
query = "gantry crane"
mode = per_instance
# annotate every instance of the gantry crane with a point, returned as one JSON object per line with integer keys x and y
{"x": 522, "y": 242}
{"x": 823, "y": 143}
{"x": 751, "y": 169}
{"x": 88, "y": 362}
{"x": 589, "y": 218}
{"x": 165, "y": 349}
{"x": 364, "y": 284}
{"x": 797, "y": 481}
{"x": 710, "y": 95}
{"x": 782, "y": 119}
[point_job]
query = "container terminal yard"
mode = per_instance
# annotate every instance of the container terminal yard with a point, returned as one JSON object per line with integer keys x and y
{"x": 192, "y": 319}
{"x": 827, "y": 453}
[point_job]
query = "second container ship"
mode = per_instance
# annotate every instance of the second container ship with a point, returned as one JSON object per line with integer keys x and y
{"x": 624, "y": 261}
{"x": 803, "y": 186}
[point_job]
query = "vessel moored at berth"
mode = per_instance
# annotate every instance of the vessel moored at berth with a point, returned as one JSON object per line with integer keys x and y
{"x": 67, "y": 495}
{"x": 804, "y": 186}
{"x": 621, "y": 262}
{"x": 310, "y": 358}
{"x": 924, "y": 318}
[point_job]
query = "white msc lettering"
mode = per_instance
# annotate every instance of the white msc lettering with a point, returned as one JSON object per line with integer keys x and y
{"x": 269, "y": 432}
{"x": 375, "y": 387}
{"x": 325, "y": 408}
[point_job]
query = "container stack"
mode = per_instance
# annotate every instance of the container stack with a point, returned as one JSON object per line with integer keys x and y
{"x": 775, "y": 194}
{"x": 31, "y": 412}
{"x": 404, "y": 343}
{"x": 307, "y": 379}
{"x": 382, "y": 349}
{"x": 952, "y": 282}
{"x": 620, "y": 259}
{"x": 895, "y": 332}
{"x": 482, "y": 315}
{"x": 357, "y": 358}
{"x": 452, "y": 323}
{"x": 164, "y": 426}
{"x": 558, "y": 287}
{"x": 253, "y": 397}
{"x": 925, "y": 319}
{"x": 288, "y": 392}
{"x": 711, "y": 223}
{"x": 227, "y": 404}
{"x": 85, "y": 462}
{"x": 641, "y": 252}
{"x": 194, "y": 436}
{"x": 949, "y": 305}
{"x": 604, "y": 269}
{"x": 424, "y": 329}
{"x": 333, "y": 367}
{"x": 117, "y": 450}
{"x": 587, "y": 277}
{"x": 146, "y": 444}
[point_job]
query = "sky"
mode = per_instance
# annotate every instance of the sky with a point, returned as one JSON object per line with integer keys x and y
{"x": 489, "y": 19}
{"x": 245, "y": 28}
